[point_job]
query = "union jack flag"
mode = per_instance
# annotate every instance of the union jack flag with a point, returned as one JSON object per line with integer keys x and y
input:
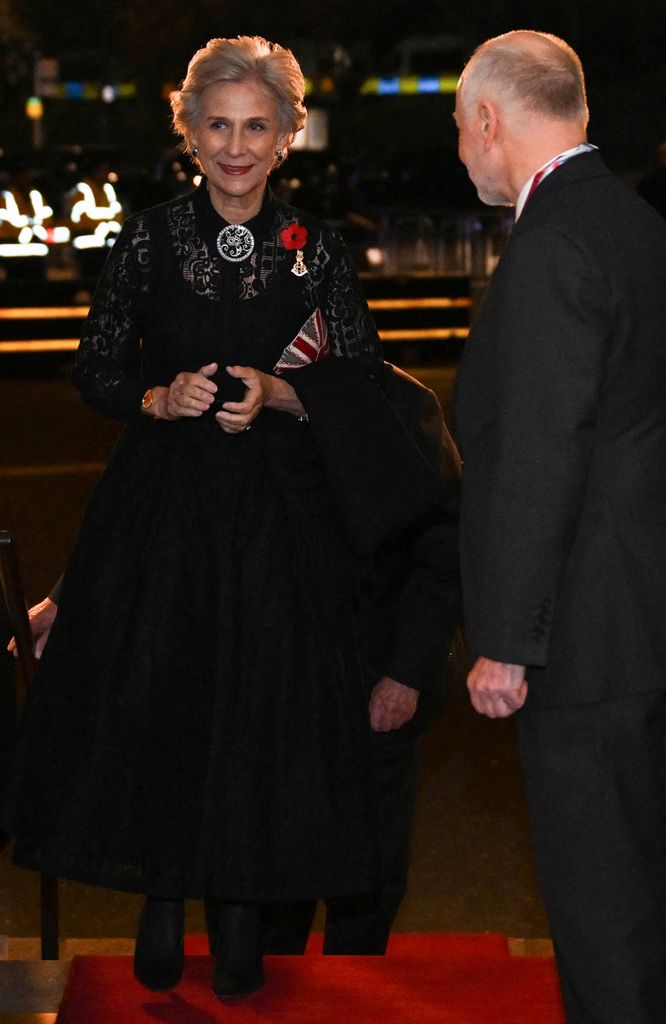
{"x": 309, "y": 346}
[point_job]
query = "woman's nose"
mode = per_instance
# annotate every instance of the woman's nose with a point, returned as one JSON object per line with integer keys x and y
{"x": 235, "y": 141}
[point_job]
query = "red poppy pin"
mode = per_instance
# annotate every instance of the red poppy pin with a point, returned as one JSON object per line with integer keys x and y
{"x": 295, "y": 236}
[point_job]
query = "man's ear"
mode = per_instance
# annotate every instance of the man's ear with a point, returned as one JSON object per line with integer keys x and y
{"x": 489, "y": 123}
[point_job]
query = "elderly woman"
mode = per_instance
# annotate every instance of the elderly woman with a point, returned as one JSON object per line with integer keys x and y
{"x": 198, "y": 724}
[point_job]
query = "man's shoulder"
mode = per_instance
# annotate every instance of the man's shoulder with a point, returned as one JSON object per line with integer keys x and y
{"x": 402, "y": 383}
{"x": 421, "y": 413}
{"x": 584, "y": 196}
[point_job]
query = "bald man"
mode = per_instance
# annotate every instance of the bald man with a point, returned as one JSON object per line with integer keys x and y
{"x": 560, "y": 415}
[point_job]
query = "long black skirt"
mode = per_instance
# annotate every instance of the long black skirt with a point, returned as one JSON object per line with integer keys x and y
{"x": 199, "y": 717}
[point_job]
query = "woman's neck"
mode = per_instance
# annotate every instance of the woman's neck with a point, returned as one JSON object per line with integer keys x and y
{"x": 236, "y": 210}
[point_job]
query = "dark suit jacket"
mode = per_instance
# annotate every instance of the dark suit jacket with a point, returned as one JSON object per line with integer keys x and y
{"x": 560, "y": 415}
{"x": 381, "y": 442}
{"x": 394, "y": 476}
{"x": 410, "y": 603}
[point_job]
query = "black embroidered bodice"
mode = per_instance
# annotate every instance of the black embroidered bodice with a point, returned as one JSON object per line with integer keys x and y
{"x": 167, "y": 301}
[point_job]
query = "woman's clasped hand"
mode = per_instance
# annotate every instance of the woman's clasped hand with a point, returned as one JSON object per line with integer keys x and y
{"x": 193, "y": 394}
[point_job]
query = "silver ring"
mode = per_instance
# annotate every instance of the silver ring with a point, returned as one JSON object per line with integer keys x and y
{"x": 248, "y": 427}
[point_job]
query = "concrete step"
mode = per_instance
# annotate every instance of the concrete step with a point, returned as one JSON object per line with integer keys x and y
{"x": 31, "y": 986}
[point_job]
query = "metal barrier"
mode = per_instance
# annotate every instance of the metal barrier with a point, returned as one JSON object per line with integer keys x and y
{"x": 12, "y": 591}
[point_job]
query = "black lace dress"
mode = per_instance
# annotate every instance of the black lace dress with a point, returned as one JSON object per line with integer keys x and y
{"x": 199, "y": 716}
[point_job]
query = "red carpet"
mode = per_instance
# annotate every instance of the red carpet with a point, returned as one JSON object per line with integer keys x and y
{"x": 424, "y": 979}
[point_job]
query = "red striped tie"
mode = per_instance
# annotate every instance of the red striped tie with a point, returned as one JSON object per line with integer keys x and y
{"x": 536, "y": 181}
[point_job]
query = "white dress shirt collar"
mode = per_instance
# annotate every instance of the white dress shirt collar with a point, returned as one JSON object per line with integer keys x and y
{"x": 543, "y": 172}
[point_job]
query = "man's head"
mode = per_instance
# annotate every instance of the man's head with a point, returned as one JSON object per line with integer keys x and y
{"x": 521, "y": 100}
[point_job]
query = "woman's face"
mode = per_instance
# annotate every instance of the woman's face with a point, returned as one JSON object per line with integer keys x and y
{"x": 236, "y": 137}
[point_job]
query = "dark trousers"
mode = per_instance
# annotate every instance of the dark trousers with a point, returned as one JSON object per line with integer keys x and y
{"x": 596, "y": 787}
{"x": 359, "y": 924}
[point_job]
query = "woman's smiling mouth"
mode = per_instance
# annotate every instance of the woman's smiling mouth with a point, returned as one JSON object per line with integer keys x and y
{"x": 232, "y": 169}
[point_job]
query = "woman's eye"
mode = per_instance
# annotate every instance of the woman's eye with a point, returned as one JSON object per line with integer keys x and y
{"x": 256, "y": 126}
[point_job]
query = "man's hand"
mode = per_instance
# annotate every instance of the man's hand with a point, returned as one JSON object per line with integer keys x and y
{"x": 497, "y": 689}
{"x": 42, "y": 616}
{"x": 392, "y": 704}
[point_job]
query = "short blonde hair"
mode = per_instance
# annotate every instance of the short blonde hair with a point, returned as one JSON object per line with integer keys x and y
{"x": 237, "y": 60}
{"x": 537, "y": 70}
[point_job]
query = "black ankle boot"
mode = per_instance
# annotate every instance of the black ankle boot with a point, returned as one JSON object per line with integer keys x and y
{"x": 238, "y": 963}
{"x": 241, "y": 982}
{"x": 158, "y": 953}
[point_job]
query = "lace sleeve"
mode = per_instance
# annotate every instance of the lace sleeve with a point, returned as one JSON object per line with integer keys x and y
{"x": 107, "y": 368}
{"x": 352, "y": 329}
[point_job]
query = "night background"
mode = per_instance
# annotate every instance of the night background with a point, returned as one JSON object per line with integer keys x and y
{"x": 390, "y": 180}
{"x": 621, "y": 42}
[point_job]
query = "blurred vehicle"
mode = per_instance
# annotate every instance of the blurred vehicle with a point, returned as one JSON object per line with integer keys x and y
{"x": 93, "y": 209}
{"x": 27, "y": 223}
{"x": 427, "y": 55}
